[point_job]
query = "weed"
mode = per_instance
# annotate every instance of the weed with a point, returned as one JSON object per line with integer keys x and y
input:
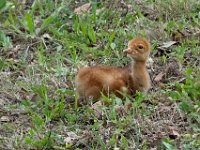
{"x": 44, "y": 43}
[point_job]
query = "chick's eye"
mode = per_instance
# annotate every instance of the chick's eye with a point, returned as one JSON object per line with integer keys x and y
{"x": 140, "y": 47}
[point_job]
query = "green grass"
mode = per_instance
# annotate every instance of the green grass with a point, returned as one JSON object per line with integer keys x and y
{"x": 44, "y": 43}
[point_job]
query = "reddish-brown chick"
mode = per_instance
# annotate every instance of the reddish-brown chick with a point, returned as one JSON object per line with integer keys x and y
{"x": 92, "y": 81}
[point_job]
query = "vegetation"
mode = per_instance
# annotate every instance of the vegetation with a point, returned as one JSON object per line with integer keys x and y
{"x": 42, "y": 45}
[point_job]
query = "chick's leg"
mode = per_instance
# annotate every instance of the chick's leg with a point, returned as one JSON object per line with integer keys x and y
{"x": 93, "y": 93}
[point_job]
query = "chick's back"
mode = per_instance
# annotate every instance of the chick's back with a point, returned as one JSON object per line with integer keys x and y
{"x": 91, "y": 81}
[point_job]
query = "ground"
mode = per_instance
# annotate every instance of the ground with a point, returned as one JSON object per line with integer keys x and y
{"x": 44, "y": 43}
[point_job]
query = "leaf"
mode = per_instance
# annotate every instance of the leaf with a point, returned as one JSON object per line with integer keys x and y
{"x": 68, "y": 146}
{"x": 112, "y": 140}
{"x": 94, "y": 9}
{"x": 5, "y": 119}
{"x": 37, "y": 120}
{"x": 124, "y": 142}
{"x": 5, "y": 40}
{"x": 188, "y": 71}
{"x": 2, "y": 64}
{"x": 159, "y": 77}
{"x": 168, "y": 146}
{"x": 173, "y": 132}
{"x": 2, "y": 4}
{"x": 82, "y": 9}
{"x": 47, "y": 36}
{"x": 47, "y": 22}
{"x": 5, "y": 7}
{"x": 168, "y": 44}
{"x": 185, "y": 107}
{"x": 29, "y": 23}
{"x": 113, "y": 46}
{"x": 92, "y": 34}
{"x": 27, "y": 140}
{"x": 112, "y": 36}
{"x": 84, "y": 27}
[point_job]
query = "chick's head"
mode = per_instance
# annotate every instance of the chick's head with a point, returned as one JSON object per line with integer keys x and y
{"x": 138, "y": 49}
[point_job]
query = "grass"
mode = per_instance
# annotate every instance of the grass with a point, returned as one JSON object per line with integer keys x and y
{"x": 44, "y": 43}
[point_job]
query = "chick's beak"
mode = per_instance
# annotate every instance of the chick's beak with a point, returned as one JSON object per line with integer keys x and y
{"x": 128, "y": 51}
